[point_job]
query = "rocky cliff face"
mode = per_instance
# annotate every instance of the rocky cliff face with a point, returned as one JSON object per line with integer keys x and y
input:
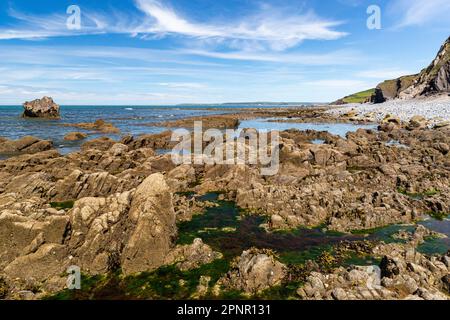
{"x": 434, "y": 79}
{"x": 41, "y": 108}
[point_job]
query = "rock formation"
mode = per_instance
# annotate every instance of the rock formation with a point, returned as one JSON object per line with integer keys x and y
{"x": 98, "y": 125}
{"x": 435, "y": 79}
{"x": 74, "y": 136}
{"x": 41, "y": 108}
{"x": 192, "y": 256}
{"x": 403, "y": 273}
{"x": 26, "y": 144}
{"x": 254, "y": 271}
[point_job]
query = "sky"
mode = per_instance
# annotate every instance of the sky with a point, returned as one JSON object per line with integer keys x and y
{"x": 163, "y": 52}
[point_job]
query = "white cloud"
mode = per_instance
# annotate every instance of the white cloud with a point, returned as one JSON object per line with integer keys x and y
{"x": 32, "y": 27}
{"x": 338, "y": 83}
{"x": 343, "y": 57}
{"x": 278, "y": 29}
{"x": 385, "y": 74}
{"x": 182, "y": 85}
{"x": 420, "y": 12}
{"x": 271, "y": 28}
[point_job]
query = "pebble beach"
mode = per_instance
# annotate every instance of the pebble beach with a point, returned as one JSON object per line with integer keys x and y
{"x": 435, "y": 110}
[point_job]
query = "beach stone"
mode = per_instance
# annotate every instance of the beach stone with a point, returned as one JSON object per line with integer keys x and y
{"x": 41, "y": 108}
{"x": 417, "y": 122}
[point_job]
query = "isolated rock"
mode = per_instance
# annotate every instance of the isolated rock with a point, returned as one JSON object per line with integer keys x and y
{"x": 41, "y": 108}
{"x": 74, "y": 136}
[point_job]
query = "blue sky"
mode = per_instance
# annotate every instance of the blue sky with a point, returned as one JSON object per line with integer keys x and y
{"x": 152, "y": 52}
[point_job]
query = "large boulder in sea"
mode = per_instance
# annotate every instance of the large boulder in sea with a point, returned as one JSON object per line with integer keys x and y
{"x": 41, "y": 108}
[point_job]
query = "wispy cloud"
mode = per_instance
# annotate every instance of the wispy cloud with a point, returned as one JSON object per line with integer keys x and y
{"x": 182, "y": 85}
{"x": 272, "y": 28}
{"x": 278, "y": 29}
{"x": 420, "y": 12}
{"x": 384, "y": 74}
{"x": 32, "y": 27}
{"x": 342, "y": 57}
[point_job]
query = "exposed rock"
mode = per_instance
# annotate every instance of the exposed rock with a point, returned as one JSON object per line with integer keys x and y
{"x": 137, "y": 227}
{"x": 26, "y": 144}
{"x": 405, "y": 274}
{"x": 202, "y": 288}
{"x": 417, "y": 122}
{"x": 41, "y": 108}
{"x": 75, "y": 136}
{"x": 192, "y": 256}
{"x": 226, "y": 121}
{"x": 253, "y": 272}
{"x": 99, "y": 125}
{"x": 79, "y": 185}
{"x": 435, "y": 78}
{"x": 153, "y": 216}
{"x": 102, "y": 144}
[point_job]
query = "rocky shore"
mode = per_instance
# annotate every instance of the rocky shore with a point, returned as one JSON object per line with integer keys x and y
{"x": 115, "y": 207}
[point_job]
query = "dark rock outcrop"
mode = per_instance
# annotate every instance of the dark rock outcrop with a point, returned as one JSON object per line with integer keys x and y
{"x": 41, "y": 108}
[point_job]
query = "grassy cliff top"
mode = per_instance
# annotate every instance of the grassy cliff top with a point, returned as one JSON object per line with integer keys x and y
{"x": 359, "y": 97}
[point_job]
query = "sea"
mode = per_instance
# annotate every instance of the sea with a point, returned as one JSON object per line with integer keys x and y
{"x": 138, "y": 120}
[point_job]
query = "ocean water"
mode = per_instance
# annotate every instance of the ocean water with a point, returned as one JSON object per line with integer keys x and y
{"x": 134, "y": 120}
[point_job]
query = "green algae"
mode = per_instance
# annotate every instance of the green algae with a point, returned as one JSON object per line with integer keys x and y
{"x": 62, "y": 205}
{"x": 229, "y": 230}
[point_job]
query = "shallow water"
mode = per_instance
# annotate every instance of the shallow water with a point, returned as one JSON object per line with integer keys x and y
{"x": 129, "y": 119}
{"x": 340, "y": 129}
{"x": 134, "y": 120}
{"x": 227, "y": 231}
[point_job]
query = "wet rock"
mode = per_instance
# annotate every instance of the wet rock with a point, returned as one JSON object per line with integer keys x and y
{"x": 102, "y": 144}
{"x": 254, "y": 271}
{"x": 26, "y": 144}
{"x": 41, "y": 108}
{"x": 98, "y": 125}
{"x": 192, "y": 256}
{"x": 75, "y": 136}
